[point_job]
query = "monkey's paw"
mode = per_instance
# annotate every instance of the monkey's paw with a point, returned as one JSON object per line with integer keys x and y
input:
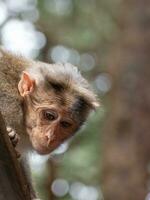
{"x": 14, "y": 137}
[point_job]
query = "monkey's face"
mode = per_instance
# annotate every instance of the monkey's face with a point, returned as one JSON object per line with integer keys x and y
{"x": 54, "y": 108}
{"x": 52, "y": 125}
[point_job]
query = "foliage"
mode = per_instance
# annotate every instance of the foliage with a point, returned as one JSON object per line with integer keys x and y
{"x": 77, "y": 31}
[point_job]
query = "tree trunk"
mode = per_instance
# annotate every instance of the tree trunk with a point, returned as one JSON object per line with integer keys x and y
{"x": 126, "y": 152}
{"x": 13, "y": 185}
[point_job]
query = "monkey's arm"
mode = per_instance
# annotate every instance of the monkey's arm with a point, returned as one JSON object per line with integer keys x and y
{"x": 11, "y": 110}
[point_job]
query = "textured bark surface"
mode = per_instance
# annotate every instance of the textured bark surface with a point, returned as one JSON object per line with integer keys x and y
{"x": 13, "y": 185}
{"x": 126, "y": 152}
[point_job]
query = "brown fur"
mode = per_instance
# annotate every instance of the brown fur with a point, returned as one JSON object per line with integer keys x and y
{"x": 56, "y": 85}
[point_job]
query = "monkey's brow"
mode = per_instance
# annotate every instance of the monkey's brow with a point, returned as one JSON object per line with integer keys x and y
{"x": 57, "y": 86}
{"x": 80, "y": 105}
{"x": 79, "y": 109}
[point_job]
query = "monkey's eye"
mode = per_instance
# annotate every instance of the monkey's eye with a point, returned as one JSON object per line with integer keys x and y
{"x": 65, "y": 124}
{"x": 49, "y": 115}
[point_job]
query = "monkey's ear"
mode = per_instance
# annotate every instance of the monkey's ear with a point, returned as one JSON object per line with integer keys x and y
{"x": 95, "y": 104}
{"x": 26, "y": 84}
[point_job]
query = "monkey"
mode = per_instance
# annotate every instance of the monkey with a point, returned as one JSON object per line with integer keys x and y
{"x": 45, "y": 104}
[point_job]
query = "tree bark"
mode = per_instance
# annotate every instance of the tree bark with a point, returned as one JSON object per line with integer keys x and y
{"x": 126, "y": 150}
{"x": 13, "y": 184}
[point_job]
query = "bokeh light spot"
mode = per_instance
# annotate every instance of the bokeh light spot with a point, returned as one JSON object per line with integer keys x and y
{"x": 3, "y": 12}
{"x": 87, "y": 62}
{"x": 60, "y": 187}
{"x": 59, "y": 7}
{"x": 22, "y": 37}
{"x": 23, "y": 5}
{"x": 79, "y": 191}
{"x": 103, "y": 83}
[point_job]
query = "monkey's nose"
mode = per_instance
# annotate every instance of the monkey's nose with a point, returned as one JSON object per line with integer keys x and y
{"x": 49, "y": 137}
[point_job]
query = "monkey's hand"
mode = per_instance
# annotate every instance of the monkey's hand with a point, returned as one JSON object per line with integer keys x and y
{"x": 14, "y": 138}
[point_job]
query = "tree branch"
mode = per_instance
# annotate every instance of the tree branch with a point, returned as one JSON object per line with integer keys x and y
{"x": 13, "y": 183}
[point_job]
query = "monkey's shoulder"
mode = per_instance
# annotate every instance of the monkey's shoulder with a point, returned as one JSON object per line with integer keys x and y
{"x": 11, "y": 109}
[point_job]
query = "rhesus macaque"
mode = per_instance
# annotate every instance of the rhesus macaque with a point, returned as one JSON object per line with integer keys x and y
{"x": 44, "y": 103}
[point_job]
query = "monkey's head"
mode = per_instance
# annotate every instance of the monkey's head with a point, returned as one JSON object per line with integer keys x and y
{"x": 57, "y": 101}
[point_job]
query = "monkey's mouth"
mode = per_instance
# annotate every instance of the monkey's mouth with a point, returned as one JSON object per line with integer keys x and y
{"x": 42, "y": 149}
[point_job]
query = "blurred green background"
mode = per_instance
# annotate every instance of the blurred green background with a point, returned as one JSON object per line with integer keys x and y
{"x": 80, "y": 32}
